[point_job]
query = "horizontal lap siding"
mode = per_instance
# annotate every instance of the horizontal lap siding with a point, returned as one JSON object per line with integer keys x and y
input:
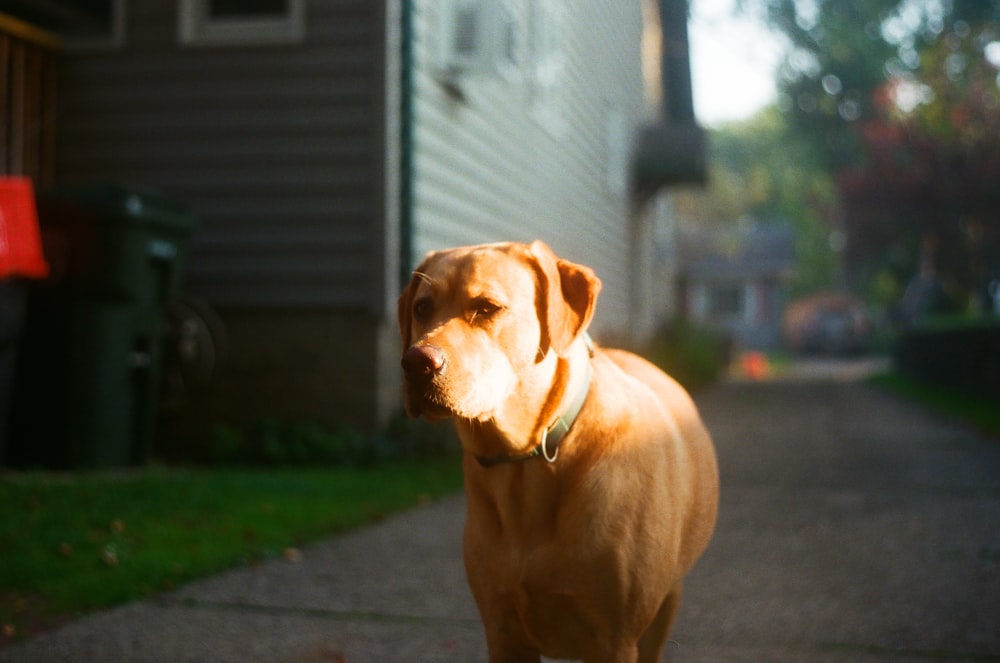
{"x": 277, "y": 149}
{"x": 487, "y": 169}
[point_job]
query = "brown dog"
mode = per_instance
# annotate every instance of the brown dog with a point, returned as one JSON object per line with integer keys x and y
{"x": 591, "y": 482}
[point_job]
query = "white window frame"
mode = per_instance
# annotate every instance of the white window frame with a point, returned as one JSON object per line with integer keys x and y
{"x": 196, "y": 28}
{"x": 496, "y": 49}
{"x": 547, "y": 64}
{"x": 618, "y": 151}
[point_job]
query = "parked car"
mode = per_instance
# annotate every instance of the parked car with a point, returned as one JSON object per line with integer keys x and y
{"x": 834, "y": 323}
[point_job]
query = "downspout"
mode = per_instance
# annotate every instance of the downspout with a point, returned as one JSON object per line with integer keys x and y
{"x": 406, "y": 144}
{"x": 677, "y": 99}
{"x": 673, "y": 150}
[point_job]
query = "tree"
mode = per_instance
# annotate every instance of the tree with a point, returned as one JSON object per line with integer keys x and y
{"x": 900, "y": 98}
{"x": 759, "y": 169}
{"x": 835, "y": 61}
{"x": 926, "y": 191}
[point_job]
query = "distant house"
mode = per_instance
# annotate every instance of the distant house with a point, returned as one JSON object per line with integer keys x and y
{"x": 732, "y": 279}
{"x": 326, "y": 145}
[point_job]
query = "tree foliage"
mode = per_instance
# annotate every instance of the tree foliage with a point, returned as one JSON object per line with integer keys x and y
{"x": 901, "y": 100}
{"x": 928, "y": 188}
{"x": 835, "y": 61}
{"x": 760, "y": 170}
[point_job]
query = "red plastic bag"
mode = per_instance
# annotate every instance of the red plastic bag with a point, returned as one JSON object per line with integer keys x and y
{"x": 20, "y": 241}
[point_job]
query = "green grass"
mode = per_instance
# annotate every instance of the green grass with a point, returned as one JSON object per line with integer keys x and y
{"x": 979, "y": 412}
{"x": 76, "y": 542}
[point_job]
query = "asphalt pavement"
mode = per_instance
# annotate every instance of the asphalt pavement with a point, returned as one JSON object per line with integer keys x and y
{"x": 853, "y": 527}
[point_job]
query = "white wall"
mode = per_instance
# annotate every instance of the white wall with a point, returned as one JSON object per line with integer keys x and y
{"x": 538, "y": 152}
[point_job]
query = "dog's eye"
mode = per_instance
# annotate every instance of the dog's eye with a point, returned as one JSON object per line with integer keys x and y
{"x": 484, "y": 308}
{"x": 422, "y": 309}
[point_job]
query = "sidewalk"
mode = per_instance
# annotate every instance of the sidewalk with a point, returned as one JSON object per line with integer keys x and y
{"x": 853, "y": 527}
{"x": 391, "y": 592}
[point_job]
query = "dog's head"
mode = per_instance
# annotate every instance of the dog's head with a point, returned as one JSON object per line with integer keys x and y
{"x": 479, "y": 322}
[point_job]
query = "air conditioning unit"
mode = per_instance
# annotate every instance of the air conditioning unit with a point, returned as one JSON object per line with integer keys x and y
{"x": 478, "y": 37}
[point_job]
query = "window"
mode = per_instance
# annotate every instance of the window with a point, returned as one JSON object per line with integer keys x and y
{"x": 478, "y": 37}
{"x": 726, "y": 300}
{"x": 241, "y": 22}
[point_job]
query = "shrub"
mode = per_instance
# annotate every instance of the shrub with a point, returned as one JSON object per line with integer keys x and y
{"x": 417, "y": 439}
{"x": 959, "y": 354}
{"x": 274, "y": 443}
{"x": 692, "y": 355}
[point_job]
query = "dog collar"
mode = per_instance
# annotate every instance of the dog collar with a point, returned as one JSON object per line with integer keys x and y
{"x": 552, "y": 436}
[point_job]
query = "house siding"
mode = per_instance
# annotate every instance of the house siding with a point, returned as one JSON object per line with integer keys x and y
{"x": 277, "y": 149}
{"x": 501, "y": 164}
{"x": 281, "y": 151}
{"x": 292, "y": 158}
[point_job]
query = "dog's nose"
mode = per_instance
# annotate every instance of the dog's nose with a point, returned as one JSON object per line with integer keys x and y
{"x": 422, "y": 361}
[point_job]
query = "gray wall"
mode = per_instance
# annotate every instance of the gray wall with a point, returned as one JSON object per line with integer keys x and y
{"x": 280, "y": 151}
{"x": 277, "y": 148}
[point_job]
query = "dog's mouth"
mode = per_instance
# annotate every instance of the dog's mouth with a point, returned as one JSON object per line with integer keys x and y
{"x": 427, "y": 401}
{"x": 435, "y": 402}
{"x": 430, "y": 410}
{"x": 440, "y": 389}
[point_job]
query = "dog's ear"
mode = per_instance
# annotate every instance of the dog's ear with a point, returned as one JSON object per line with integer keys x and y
{"x": 566, "y": 298}
{"x": 404, "y": 305}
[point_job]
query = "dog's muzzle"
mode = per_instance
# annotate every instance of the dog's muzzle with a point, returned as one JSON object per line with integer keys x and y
{"x": 421, "y": 365}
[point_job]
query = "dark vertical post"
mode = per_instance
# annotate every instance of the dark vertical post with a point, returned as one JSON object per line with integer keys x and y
{"x": 678, "y": 104}
{"x": 406, "y": 146}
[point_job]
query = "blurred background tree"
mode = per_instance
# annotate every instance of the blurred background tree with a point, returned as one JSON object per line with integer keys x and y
{"x": 927, "y": 190}
{"x": 886, "y": 144}
{"x": 761, "y": 169}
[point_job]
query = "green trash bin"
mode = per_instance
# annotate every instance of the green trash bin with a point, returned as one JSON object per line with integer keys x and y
{"x": 88, "y": 378}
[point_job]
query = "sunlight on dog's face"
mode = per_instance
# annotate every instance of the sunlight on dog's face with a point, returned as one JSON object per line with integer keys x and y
{"x": 476, "y": 310}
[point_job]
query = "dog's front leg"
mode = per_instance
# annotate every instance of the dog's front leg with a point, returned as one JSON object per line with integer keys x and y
{"x": 503, "y": 651}
{"x": 504, "y": 639}
{"x": 654, "y": 639}
{"x": 522, "y": 656}
{"x": 621, "y": 654}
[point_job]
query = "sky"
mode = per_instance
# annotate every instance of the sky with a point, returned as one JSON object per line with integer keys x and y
{"x": 733, "y": 60}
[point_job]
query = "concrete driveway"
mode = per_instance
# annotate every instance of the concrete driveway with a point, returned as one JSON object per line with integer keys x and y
{"x": 853, "y": 527}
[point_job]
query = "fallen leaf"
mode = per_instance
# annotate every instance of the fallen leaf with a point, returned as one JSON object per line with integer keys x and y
{"x": 292, "y": 555}
{"x": 109, "y": 556}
